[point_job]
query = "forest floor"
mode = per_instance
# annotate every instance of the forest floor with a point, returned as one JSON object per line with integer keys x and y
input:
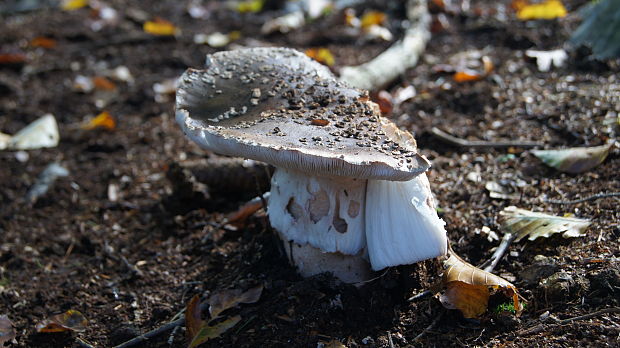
{"x": 117, "y": 241}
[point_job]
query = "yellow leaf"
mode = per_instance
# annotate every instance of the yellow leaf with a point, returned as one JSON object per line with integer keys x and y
{"x": 250, "y": 6}
{"x": 549, "y": 9}
{"x": 471, "y": 300}
{"x": 103, "y": 120}
{"x": 70, "y": 320}
{"x": 371, "y": 18}
{"x": 70, "y": 5}
{"x": 321, "y": 55}
{"x": 468, "y": 287}
{"x": 465, "y": 76}
{"x": 160, "y": 27}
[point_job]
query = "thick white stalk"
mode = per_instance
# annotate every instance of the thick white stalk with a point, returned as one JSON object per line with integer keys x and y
{"x": 402, "y": 226}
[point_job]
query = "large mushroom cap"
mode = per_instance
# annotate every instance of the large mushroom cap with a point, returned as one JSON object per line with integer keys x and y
{"x": 278, "y": 106}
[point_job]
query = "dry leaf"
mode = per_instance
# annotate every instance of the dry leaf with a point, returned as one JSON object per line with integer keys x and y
{"x": 12, "y": 58}
{"x": 525, "y": 223}
{"x": 102, "y": 83}
{"x": 70, "y": 5}
{"x": 466, "y": 76}
{"x": 321, "y": 55}
{"x": 574, "y": 160}
{"x": 333, "y": 344}
{"x": 208, "y": 332}
{"x": 160, "y": 27}
{"x": 41, "y": 133}
{"x": 371, "y": 18}
{"x": 226, "y": 299}
{"x": 103, "y": 120}
{"x": 44, "y": 42}
{"x": 7, "y": 332}
{"x": 549, "y": 9}
{"x": 252, "y": 6}
{"x": 193, "y": 318}
{"x": 70, "y": 320}
{"x": 468, "y": 287}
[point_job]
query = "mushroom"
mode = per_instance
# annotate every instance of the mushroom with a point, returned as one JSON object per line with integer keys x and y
{"x": 349, "y": 193}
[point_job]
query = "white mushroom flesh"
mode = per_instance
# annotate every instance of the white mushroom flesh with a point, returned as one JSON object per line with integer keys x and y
{"x": 402, "y": 226}
{"x": 325, "y": 212}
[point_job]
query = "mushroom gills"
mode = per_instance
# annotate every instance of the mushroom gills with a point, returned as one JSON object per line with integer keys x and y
{"x": 402, "y": 226}
{"x": 327, "y": 213}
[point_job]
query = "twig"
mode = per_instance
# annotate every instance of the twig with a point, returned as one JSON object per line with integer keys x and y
{"x": 590, "y": 315}
{"x": 480, "y": 143}
{"x": 581, "y": 200}
{"x": 500, "y": 251}
{"x": 156, "y": 332}
{"x": 541, "y": 327}
{"x": 430, "y": 327}
{"x": 424, "y": 294}
{"x": 390, "y": 340}
{"x": 83, "y": 343}
{"x": 401, "y": 56}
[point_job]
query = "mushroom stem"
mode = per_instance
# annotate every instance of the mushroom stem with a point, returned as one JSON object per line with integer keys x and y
{"x": 402, "y": 226}
{"x": 324, "y": 218}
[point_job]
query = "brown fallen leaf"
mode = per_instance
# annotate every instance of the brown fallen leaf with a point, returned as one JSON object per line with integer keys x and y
{"x": 467, "y": 287}
{"x": 7, "y": 332}
{"x": 207, "y": 332}
{"x": 193, "y": 317}
{"x": 226, "y": 299}
{"x": 44, "y": 42}
{"x": 199, "y": 330}
{"x": 71, "y": 320}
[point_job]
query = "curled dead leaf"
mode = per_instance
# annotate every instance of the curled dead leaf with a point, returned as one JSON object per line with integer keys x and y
{"x": 574, "y": 160}
{"x": 103, "y": 120}
{"x": 525, "y": 223}
{"x": 71, "y": 320}
{"x": 226, "y": 299}
{"x": 467, "y": 287}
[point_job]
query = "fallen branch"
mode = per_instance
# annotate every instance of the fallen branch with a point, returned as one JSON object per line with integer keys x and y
{"x": 450, "y": 139}
{"x": 401, "y": 56}
{"x": 581, "y": 200}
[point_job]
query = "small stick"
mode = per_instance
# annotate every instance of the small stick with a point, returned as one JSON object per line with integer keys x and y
{"x": 390, "y": 340}
{"x": 156, "y": 332}
{"x": 430, "y": 327}
{"x": 480, "y": 143}
{"x": 424, "y": 294}
{"x": 590, "y": 315}
{"x": 500, "y": 251}
{"x": 83, "y": 343}
{"x": 589, "y": 198}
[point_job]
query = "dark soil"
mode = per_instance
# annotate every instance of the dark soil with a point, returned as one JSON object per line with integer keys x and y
{"x": 130, "y": 261}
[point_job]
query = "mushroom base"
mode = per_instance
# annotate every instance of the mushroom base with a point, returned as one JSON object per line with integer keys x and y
{"x": 323, "y": 218}
{"x": 310, "y": 261}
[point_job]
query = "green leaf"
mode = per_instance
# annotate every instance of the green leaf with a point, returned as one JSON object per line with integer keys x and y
{"x": 574, "y": 160}
{"x": 208, "y": 332}
{"x": 525, "y": 223}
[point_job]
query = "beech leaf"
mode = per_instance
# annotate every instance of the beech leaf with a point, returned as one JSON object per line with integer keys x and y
{"x": 70, "y": 320}
{"x": 548, "y": 9}
{"x": 226, "y": 299}
{"x": 525, "y": 223}
{"x": 7, "y": 332}
{"x": 193, "y": 319}
{"x": 467, "y": 287}
{"x": 208, "y": 332}
{"x": 576, "y": 159}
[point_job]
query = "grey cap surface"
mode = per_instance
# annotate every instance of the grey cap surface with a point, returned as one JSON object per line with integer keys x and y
{"x": 279, "y": 106}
